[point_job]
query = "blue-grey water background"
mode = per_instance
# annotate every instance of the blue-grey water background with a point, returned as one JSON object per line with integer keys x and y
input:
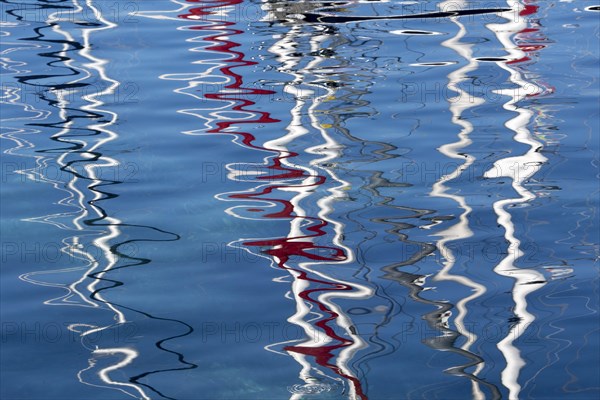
{"x": 236, "y": 199}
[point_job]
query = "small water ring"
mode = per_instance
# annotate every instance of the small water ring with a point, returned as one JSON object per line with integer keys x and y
{"x": 310, "y": 388}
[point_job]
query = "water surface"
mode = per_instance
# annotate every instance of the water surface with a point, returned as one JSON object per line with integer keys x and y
{"x": 308, "y": 200}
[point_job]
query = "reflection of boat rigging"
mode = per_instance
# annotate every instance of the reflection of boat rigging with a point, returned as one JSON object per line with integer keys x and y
{"x": 283, "y": 183}
{"x": 78, "y": 127}
{"x": 519, "y": 169}
{"x": 397, "y": 218}
{"x": 349, "y": 96}
{"x": 460, "y": 231}
{"x": 326, "y": 97}
{"x": 314, "y": 290}
{"x": 421, "y": 214}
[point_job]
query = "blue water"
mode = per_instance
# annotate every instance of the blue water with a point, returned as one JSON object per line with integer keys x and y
{"x": 308, "y": 200}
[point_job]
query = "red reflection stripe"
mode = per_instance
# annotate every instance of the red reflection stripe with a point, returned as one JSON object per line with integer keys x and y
{"x": 286, "y": 247}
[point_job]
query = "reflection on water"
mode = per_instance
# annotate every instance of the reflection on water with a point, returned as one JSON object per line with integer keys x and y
{"x": 71, "y": 95}
{"x": 460, "y": 231}
{"x": 518, "y": 169}
{"x": 377, "y": 151}
{"x": 285, "y": 184}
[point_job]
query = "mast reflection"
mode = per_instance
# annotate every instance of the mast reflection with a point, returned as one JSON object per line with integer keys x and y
{"x": 519, "y": 169}
{"x": 288, "y": 184}
{"x": 73, "y": 98}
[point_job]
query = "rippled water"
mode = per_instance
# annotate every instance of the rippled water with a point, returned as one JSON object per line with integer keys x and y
{"x": 236, "y": 199}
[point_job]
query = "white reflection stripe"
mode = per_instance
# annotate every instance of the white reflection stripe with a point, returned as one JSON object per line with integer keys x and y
{"x": 519, "y": 169}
